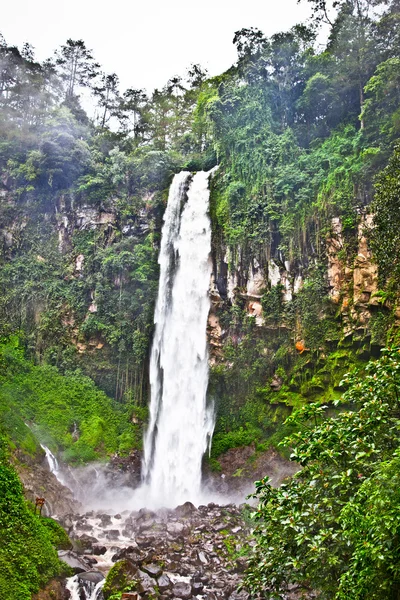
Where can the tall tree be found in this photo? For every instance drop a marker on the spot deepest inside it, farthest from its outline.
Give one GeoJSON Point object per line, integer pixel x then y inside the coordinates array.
{"type": "Point", "coordinates": [108, 97]}
{"type": "Point", "coordinates": [134, 112]}
{"type": "Point", "coordinates": [76, 66]}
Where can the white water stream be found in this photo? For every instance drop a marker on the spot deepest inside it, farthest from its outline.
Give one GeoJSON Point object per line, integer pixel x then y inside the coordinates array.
{"type": "Point", "coordinates": [53, 464]}
{"type": "Point", "coordinates": [76, 588]}
{"type": "Point", "coordinates": [181, 424]}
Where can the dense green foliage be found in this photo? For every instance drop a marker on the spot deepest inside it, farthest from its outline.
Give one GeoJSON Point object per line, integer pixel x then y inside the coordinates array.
{"type": "Point", "coordinates": [81, 200]}
{"type": "Point", "coordinates": [28, 558]}
{"type": "Point", "coordinates": [66, 411]}
{"type": "Point", "coordinates": [334, 527]}
{"type": "Point", "coordinates": [299, 133]}
{"type": "Point", "coordinates": [386, 233]}
{"type": "Point", "coordinates": [302, 134]}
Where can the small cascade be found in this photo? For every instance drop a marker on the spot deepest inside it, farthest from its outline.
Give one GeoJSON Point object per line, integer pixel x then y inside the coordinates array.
{"type": "Point", "coordinates": [53, 464]}
{"type": "Point", "coordinates": [83, 589]}
{"type": "Point", "coordinates": [181, 424]}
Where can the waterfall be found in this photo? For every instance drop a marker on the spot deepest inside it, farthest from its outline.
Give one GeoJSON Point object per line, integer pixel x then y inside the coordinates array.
{"type": "Point", "coordinates": [180, 424]}
{"type": "Point", "coordinates": [53, 464]}
{"type": "Point", "coordinates": [89, 590]}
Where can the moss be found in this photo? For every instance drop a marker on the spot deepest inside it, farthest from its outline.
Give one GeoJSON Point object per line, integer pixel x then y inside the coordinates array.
{"type": "Point", "coordinates": [233, 439]}
{"type": "Point", "coordinates": [214, 465]}
{"type": "Point", "coordinates": [58, 535]}
{"type": "Point", "coordinates": [55, 404]}
{"type": "Point", "coordinates": [121, 577]}
{"type": "Point", "coordinates": [28, 559]}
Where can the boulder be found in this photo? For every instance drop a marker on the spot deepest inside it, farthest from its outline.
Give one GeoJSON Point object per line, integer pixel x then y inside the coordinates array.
{"type": "Point", "coordinates": [112, 534]}
{"type": "Point", "coordinates": [145, 540]}
{"type": "Point", "coordinates": [77, 564]}
{"type": "Point", "coordinates": [92, 576]}
{"type": "Point", "coordinates": [147, 524]}
{"type": "Point", "coordinates": [128, 531]}
{"type": "Point", "coordinates": [145, 582]}
{"type": "Point", "coordinates": [152, 569]}
{"type": "Point", "coordinates": [236, 529]}
{"type": "Point", "coordinates": [185, 510]}
{"type": "Point", "coordinates": [164, 582]}
{"type": "Point", "coordinates": [98, 550]}
{"type": "Point", "coordinates": [130, 552]}
{"type": "Point", "coordinates": [104, 520]}
{"type": "Point", "coordinates": [182, 590]}
{"type": "Point", "coordinates": [201, 558]}
{"type": "Point", "coordinates": [175, 528]}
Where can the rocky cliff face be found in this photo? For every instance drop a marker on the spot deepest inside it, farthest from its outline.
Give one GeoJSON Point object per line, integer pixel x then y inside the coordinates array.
{"type": "Point", "coordinates": [83, 275]}
{"type": "Point", "coordinates": [351, 282]}
{"type": "Point", "coordinates": [39, 482]}
{"type": "Point", "coordinates": [287, 330]}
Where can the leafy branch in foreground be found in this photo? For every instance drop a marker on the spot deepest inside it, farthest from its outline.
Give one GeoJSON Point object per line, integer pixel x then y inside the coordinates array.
{"type": "Point", "coordinates": [334, 527]}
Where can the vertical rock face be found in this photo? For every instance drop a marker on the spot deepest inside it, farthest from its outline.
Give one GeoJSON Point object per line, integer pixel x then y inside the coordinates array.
{"type": "Point", "coordinates": [336, 275]}
{"type": "Point", "coordinates": [240, 276]}
{"type": "Point", "coordinates": [352, 281]}
{"type": "Point", "coordinates": [352, 285]}
{"type": "Point", "coordinates": [365, 275]}
{"type": "Point", "coordinates": [214, 329]}
{"type": "Point", "coordinates": [255, 280]}
{"type": "Point", "coordinates": [38, 481]}
{"type": "Point", "coordinates": [254, 309]}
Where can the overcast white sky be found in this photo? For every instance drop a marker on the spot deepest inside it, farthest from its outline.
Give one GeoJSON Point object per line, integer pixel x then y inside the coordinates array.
{"type": "Point", "coordinates": [146, 41]}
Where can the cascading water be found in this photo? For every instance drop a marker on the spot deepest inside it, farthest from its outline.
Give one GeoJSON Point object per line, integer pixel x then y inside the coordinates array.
{"type": "Point", "coordinates": [181, 424]}
{"type": "Point", "coordinates": [53, 464]}
{"type": "Point", "coordinates": [88, 590]}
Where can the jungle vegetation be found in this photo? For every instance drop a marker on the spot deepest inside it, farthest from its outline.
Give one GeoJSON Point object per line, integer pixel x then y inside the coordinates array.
{"type": "Point", "coordinates": [302, 133]}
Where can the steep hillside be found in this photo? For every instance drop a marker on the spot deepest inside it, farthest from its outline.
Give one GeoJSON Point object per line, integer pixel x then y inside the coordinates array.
{"type": "Point", "coordinates": [305, 215]}
{"type": "Point", "coordinates": [302, 246]}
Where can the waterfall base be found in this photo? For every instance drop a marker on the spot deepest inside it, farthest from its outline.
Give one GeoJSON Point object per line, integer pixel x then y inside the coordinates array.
{"type": "Point", "coordinates": [188, 550]}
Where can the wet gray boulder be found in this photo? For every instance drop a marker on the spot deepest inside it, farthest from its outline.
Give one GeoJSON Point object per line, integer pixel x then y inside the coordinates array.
{"type": "Point", "coordinates": [77, 563]}
{"type": "Point", "coordinates": [152, 569]}
{"type": "Point", "coordinates": [128, 552]}
{"type": "Point", "coordinates": [175, 528]}
{"type": "Point", "coordinates": [92, 576]}
{"type": "Point", "coordinates": [145, 582]}
{"type": "Point", "coordinates": [164, 582]}
{"type": "Point", "coordinates": [104, 520]}
{"type": "Point", "coordinates": [112, 534]}
{"type": "Point", "coordinates": [98, 549]}
{"type": "Point", "coordinates": [182, 590]}
{"type": "Point", "coordinates": [185, 510]}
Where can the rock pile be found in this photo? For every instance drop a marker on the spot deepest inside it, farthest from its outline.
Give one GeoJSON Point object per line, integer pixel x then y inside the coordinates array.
{"type": "Point", "coordinates": [169, 554]}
